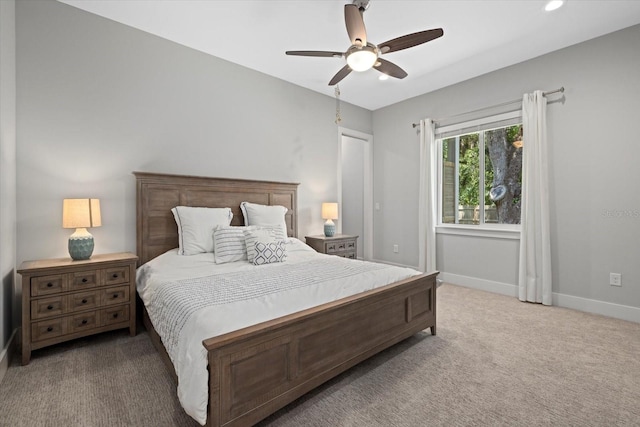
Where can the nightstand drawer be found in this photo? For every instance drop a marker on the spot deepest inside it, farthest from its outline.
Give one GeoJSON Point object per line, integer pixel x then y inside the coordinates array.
{"type": "Point", "coordinates": [48, 329]}
{"type": "Point", "coordinates": [351, 245]}
{"type": "Point", "coordinates": [83, 300]}
{"type": "Point", "coordinates": [117, 275]}
{"type": "Point", "coordinates": [47, 307]}
{"type": "Point", "coordinates": [46, 285]}
{"type": "Point", "coordinates": [84, 321]}
{"type": "Point", "coordinates": [331, 248]}
{"type": "Point", "coordinates": [116, 295]}
{"type": "Point", "coordinates": [114, 315]}
{"type": "Point", "coordinates": [83, 280]}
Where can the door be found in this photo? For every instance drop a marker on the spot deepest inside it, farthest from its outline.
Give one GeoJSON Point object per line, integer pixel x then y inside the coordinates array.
{"type": "Point", "coordinates": [355, 189]}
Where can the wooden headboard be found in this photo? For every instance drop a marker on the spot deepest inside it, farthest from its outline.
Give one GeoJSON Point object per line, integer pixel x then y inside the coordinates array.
{"type": "Point", "coordinates": [157, 194]}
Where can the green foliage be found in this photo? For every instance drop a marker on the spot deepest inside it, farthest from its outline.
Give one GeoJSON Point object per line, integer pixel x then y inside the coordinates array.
{"type": "Point", "coordinates": [469, 178]}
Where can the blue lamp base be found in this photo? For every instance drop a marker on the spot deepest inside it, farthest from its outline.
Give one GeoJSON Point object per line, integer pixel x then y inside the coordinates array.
{"type": "Point", "coordinates": [82, 248]}
{"type": "Point", "coordinates": [329, 228]}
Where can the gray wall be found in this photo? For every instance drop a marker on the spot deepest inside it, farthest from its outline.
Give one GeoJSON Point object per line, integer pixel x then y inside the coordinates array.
{"type": "Point", "coordinates": [7, 166]}
{"type": "Point", "coordinates": [97, 100]}
{"type": "Point", "coordinates": [595, 208]}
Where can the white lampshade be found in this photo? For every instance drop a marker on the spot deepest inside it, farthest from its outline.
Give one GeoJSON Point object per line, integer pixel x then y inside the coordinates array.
{"type": "Point", "coordinates": [362, 59]}
{"type": "Point", "coordinates": [329, 211]}
{"type": "Point", "coordinates": [81, 213]}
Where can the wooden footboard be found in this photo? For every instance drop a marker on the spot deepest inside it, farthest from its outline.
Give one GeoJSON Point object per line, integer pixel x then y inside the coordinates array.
{"type": "Point", "coordinates": [255, 371]}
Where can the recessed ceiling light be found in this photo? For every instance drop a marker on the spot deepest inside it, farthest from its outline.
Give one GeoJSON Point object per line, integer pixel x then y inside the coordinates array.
{"type": "Point", "coordinates": [383, 77]}
{"type": "Point", "coordinates": [553, 5]}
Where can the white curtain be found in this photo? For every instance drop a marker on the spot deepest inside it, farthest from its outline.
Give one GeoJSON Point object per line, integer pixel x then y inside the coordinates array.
{"type": "Point", "coordinates": [535, 249]}
{"type": "Point", "coordinates": [427, 206]}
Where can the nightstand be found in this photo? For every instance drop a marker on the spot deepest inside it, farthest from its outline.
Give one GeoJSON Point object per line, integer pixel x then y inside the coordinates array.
{"type": "Point", "coordinates": [63, 299]}
{"type": "Point", "coordinates": [343, 245]}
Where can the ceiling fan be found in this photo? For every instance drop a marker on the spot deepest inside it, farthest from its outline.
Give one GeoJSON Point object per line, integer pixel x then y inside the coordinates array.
{"type": "Point", "coordinates": [363, 55]}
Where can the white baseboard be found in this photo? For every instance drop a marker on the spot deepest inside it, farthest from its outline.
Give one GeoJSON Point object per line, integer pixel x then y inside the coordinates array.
{"type": "Point", "coordinates": [394, 263]}
{"type": "Point", "coordinates": [618, 311]}
{"type": "Point", "coordinates": [481, 284]}
{"type": "Point", "coordinates": [6, 354]}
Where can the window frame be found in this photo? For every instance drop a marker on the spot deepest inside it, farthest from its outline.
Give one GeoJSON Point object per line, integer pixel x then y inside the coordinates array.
{"type": "Point", "coordinates": [500, 231]}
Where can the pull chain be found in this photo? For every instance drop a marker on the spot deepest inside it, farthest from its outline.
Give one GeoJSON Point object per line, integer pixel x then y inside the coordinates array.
{"type": "Point", "coordinates": [338, 117]}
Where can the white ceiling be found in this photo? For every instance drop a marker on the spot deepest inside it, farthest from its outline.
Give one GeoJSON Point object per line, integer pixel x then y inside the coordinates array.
{"type": "Point", "coordinates": [479, 36]}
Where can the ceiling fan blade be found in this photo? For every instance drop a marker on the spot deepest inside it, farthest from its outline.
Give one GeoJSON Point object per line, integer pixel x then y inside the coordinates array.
{"type": "Point", "coordinates": [390, 69]}
{"type": "Point", "coordinates": [344, 72]}
{"type": "Point", "coordinates": [410, 40]}
{"type": "Point", "coordinates": [321, 53]}
{"type": "Point", "coordinates": [355, 25]}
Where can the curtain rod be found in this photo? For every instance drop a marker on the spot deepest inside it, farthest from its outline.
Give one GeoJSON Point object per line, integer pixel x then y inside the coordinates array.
{"type": "Point", "coordinates": [551, 92]}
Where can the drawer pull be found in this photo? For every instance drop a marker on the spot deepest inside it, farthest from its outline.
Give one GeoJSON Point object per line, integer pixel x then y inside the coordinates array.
{"type": "Point", "coordinates": [84, 280]}
{"type": "Point", "coordinates": [49, 285]}
{"type": "Point", "coordinates": [84, 301]}
{"type": "Point", "coordinates": [114, 296]}
{"type": "Point", "coordinates": [84, 321]}
{"type": "Point", "coordinates": [49, 329]}
{"type": "Point", "coordinates": [115, 315]}
{"type": "Point", "coordinates": [115, 276]}
{"type": "Point", "coordinates": [49, 307]}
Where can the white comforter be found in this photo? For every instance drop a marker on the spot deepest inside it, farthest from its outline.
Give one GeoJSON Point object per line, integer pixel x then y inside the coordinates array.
{"type": "Point", "coordinates": [191, 298]}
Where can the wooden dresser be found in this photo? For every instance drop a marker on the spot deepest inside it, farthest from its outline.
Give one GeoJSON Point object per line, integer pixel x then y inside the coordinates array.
{"type": "Point", "coordinates": [343, 245]}
{"type": "Point", "coordinates": [64, 299]}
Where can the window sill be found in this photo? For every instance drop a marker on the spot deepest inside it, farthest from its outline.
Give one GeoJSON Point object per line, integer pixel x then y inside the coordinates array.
{"type": "Point", "coordinates": [496, 232]}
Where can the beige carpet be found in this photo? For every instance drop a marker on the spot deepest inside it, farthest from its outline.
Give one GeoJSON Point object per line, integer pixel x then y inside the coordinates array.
{"type": "Point", "coordinates": [495, 362]}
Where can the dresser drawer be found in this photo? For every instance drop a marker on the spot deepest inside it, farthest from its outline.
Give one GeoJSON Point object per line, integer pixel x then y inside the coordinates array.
{"type": "Point", "coordinates": [83, 300]}
{"type": "Point", "coordinates": [83, 280]}
{"type": "Point", "coordinates": [113, 315]}
{"type": "Point", "coordinates": [47, 307]}
{"type": "Point", "coordinates": [116, 295]}
{"type": "Point", "coordinates": [83, 321]}
{"type": "Point", "coordinates": [46, 285]}
{"type": "Point", "coordinates": [48, 329]}
{"type": "Point", "coordinates": [351, 245]}
{"type": "Point", "coordinates": [116, 275]}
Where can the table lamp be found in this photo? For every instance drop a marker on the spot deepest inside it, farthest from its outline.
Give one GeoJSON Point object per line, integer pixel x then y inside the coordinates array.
{"type": "Point", "coordinates": [81, 214]}
{"type": "Point", "coordinates": [329, 212]}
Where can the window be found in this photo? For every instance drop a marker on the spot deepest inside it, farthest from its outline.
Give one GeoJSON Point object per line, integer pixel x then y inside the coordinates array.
{"type": "Point", "coordinates": [480, 171]}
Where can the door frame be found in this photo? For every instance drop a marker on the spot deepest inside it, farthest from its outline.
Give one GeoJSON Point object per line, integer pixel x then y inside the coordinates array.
{"type": "Point", "coordinates": [367, 248]}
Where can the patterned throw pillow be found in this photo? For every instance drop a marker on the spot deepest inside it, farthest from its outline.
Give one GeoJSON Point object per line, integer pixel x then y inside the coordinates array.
{"type": "Point", "coordinates": [229, 244]}
{"type": "Point", "coordinates": [256, 234]}
{"type": "Point", "coordinates": [270, 252]}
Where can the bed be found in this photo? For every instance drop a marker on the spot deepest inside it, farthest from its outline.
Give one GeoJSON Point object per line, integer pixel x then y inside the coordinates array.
{"type": "Point", "coordinates": [258, 369]}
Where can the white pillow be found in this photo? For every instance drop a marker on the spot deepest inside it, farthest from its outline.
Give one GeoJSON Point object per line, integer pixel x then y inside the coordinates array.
{"type": "Point", "coordinates": [253, 235]}
{"type": "Point", "coordinates": [270, 252]}
{"type": "Point", "coordinates": [196, 225]}
{"type": "Point", "coordinates": [229, 244]}
{"type": "Point", "coordinates": [255, 214]}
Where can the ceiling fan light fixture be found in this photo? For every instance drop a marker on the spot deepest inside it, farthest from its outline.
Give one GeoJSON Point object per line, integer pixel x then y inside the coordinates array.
{"type": "Point", "coordinates": [362, 59]}
{"type": "Point", "coordinates": [553, 5]}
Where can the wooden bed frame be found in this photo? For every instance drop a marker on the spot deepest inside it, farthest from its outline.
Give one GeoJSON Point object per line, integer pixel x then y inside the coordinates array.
{"type": "Point", "coordinates": [257, 370]}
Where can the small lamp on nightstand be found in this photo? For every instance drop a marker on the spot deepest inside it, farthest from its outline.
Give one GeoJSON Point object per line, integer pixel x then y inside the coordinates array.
{"type": "Point", "coordinates": [329, 212]}
{"type": "Point", "coordinates": [81, 214]}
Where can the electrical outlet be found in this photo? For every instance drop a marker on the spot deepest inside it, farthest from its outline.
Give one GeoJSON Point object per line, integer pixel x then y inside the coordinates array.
{"type": "Point", "coordinates": [615, 279]}
{"type": "Point", "coordinates": [395, 249]}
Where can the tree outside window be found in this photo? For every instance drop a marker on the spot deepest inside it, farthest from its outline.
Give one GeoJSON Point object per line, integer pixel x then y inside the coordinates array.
{"type": "Point", "coordinates": [498, 153]}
